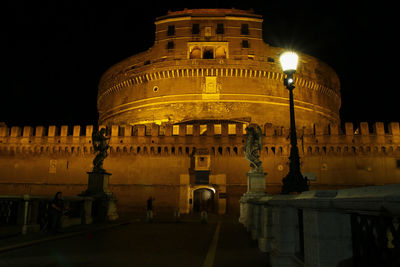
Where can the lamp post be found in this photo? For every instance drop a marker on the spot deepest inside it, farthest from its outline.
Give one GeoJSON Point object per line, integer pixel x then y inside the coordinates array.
{"type": "Point", "coordinates": [294, 180]}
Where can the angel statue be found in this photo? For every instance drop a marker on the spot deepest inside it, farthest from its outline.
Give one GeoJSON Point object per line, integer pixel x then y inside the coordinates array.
{"type": "Point", "coordinates": [100, 145]}
{"type": "Point", "coordinates": [252, 147]}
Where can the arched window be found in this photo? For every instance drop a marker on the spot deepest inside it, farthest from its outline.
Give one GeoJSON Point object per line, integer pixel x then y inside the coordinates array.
{"type": "Point", "coordinates": [195, 53]}
{"type": "Point", "coordinates": [220, 53]}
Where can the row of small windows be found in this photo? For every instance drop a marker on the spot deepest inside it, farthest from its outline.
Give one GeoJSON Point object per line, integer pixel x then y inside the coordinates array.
{"type": "Point", "coordinates": [244, 29]}
{"type": "Point", "coordinates": [171, 45]}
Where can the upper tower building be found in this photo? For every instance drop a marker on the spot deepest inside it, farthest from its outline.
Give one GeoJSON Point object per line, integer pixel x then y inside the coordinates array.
{"type": "Point", "coordinates": [212, 64]}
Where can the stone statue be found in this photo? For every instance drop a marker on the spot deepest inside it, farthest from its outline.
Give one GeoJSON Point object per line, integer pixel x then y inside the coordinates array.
{"type": "Point", "coordinates": [100, 145]}
{"type": "Point", "coordinates": [252, 147]}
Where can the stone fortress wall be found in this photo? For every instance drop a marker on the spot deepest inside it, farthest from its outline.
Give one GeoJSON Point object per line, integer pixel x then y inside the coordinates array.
{"type": "Point", "coordinates": [214, 73]}
{"type": "Point", "coordinates": [158, 161]}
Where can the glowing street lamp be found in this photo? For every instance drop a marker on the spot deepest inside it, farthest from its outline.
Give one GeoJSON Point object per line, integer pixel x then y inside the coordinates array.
{"type": "Point", "coordinates": [294, 180]}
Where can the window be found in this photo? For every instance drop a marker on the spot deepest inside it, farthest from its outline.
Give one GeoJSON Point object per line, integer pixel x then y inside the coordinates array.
{"type": "Point", "coordinates": [245, 44]}
{"type": "Point", "coordinates": [195, 29]}
{"type": "Point", "coordinates": [175, 130]}
{"type": "Point", "coordinates": [220, 28]}
{"type": "Point", "coordinates": [171, 30]}
{"type": "Point", "coordinates": [244, 29]}
{"type": "Point", "coordinates": [270, 59]}
{"type": "Point", "coordinates": [208, 53]}
{"type": "Point", "coordinates": [170, 45]}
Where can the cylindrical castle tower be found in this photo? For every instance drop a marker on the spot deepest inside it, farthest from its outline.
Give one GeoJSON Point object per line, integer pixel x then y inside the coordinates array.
{"type": "Point", "coordinates": [212, 64]}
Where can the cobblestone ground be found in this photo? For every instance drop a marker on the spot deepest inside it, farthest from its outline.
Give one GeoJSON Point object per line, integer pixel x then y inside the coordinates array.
{"type": "Point", "coordinates": [221, 242]}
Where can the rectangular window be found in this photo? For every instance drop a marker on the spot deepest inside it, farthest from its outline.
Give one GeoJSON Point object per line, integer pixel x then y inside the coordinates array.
{"type": "Point", "coordinates": [244, 29]}
{"type": "Point", "coordinates": [170, 45]}
{"type": "Point", "coordinates": [217, 129]}
{"type": "Point", "coordinates": [171, 30]}
{"type": "Point", "coordinates": [245, 44]}
{"type": "Point", "coordinates": [203, 129]}
{"type": "Point", "coordinates": [189, 129]}
{"type": "Point", "coordinates": [195, 29]}
{"type": "Point", "coordinates": [231, 129]}
{"type": "Point", "coordinates": [175, 130]}
{"type": "Point", "coordinates": [220, 28]}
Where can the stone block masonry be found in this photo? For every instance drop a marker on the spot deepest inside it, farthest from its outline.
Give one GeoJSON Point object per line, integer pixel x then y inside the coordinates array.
{"type": "Point", "coordinates": [149, 160]}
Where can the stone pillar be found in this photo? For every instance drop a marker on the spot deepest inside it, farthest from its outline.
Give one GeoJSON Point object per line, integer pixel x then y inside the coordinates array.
{"type": "Point", "coordinates": [327, 238]}
{"type": "Point", "coordinates": [87, 211]}
{"type": "Point", "coordinates": [105, 200]}
{"type": "Point", "coordinates": [284, 232]}
{"type": "Point", "coordinates": [29, 224]}
{"type": "Point", "coordinates": [265, 238]}
{"type": "Point", "coordinates": [255, 190]}
{"type": "Point", "coordinates": [256, 225]}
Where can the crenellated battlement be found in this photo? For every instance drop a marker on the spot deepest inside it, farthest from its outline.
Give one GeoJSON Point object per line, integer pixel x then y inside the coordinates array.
{"type": "Point", "coordinates": [221, 139]}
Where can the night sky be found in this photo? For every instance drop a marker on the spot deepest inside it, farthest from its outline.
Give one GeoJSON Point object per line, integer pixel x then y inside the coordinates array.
{"type": "Point", "coordinates": [56, 52]}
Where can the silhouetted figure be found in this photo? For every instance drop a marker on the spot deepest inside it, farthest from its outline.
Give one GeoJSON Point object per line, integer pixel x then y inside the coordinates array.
{"type": "Point", "coordinates": [56, 210]}
{"type": "Point", "coordinates": [150, 209]}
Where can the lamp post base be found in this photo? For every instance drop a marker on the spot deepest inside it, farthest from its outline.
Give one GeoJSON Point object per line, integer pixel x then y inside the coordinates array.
{"type": "Point", "coordinates": [294, 182]}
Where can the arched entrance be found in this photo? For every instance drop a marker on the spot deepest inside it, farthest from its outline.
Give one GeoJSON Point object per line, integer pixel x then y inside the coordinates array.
{"type": "Point", "coordinates": [203, 199]}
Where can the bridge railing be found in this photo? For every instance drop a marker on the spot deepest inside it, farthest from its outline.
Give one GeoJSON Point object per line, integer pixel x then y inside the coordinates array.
{"type": "Point", "coordinates": [350, 227]}
{"type": "Point", "coordinates": [27, 213]}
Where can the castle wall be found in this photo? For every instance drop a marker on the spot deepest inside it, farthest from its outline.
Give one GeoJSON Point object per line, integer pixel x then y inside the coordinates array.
{"type": "Point", "coordinates": [150, 162]}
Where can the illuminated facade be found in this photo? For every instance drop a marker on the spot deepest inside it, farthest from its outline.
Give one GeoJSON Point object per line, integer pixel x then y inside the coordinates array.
{"type": "Point", "coordinates": [177, 114]}
{"type": "Point", "coordinates": [212, 64]}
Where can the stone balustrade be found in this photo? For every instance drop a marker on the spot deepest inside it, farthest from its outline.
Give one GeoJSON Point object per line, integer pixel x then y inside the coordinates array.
{"type": "Point", "coordinates": [350, 227]}
{"type": "Point", "coordinates": [27, 213]}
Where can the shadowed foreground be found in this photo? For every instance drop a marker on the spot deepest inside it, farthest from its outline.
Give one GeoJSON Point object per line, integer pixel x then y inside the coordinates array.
{"type": "Point", "coordinates": [161, 243]}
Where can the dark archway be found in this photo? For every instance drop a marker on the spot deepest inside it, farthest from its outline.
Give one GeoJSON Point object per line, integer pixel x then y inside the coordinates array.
{"type": "Point", "coordinates": [203, 199]}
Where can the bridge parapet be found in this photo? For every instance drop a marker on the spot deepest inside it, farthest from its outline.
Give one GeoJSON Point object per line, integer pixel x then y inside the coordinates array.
{"type": "Point", "coordinates": [329, 228]}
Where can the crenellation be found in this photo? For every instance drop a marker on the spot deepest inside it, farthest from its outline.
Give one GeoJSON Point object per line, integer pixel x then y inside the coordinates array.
{"type": "Point", "coordinates": [182, 130]}
{"type": "Point", "coordinates": [76, 131]}
{"type": "Point", "coordinates": [27, 131]}
{"type": "Point", "coordinates": [89, 130]}
{"type": "Point", "coordinates": [224, 129]}
{"type": "Point", "coordinates": [333, 129]}
{"type": "Point", "coordinates": [141, 130]}
{"type": "Point", "coordinates": [321, 142]}
{"type": "Point", "coordinates": [115, 131]}
{"type": "Point", "coordinates": [364, 128]}
{"type": "Point", "coordinates": [127, 130]}
{"type": "Point", "coordinates": [4, 131]}
{"type": "Point", "coordinates": [168, 130]}
{"type": "Point", "coordinates": [210, 129]}
{"type": "Point", "coordinates": [268, 130]}
{"type": "Point", "coordinates": [394, 128]}
{"type": "Point", "coordinates": [64, 131]}
{"type": "Point", "coordinates": [379, 128]}
{"type": "Point", "coordinates": [15, 131]}
{"type": "Point", "coordinates": [52, 132]}
{"type": "Point", "coordinates": [349, 129]}
{"type": "Point", "coordinates": [155, 130]}
{"type": "Point", "coordinates": [318, 129]}
{"type": "Point", "coordinates": [40, 131]}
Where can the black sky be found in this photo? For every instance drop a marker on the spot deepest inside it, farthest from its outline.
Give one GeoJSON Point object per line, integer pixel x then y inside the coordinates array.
{"type": "Point", "coordinates": [56, 52]}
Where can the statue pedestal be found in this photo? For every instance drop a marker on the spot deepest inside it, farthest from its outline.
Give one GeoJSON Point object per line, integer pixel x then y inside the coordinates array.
{"type": "Point", "coordinates": [98, 183]}
{"type": "Point", "coordinates": [105, 203]}
{"type": "Point", "coordinates": [255, 190]}
{"type": "Point", "coordinates": [256, 182]}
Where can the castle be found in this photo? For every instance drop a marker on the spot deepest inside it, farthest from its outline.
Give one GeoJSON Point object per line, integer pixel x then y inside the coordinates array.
{"type": "Point", "coordinates": [177, 115]}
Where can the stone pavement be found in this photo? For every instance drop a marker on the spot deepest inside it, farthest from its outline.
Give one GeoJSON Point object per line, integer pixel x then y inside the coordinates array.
{"type": "Point", "coordinates": [131, 241]}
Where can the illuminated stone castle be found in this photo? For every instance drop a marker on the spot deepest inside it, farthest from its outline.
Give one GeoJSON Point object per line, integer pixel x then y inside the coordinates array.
{"type": "Point", "coordinates": [177, 114]}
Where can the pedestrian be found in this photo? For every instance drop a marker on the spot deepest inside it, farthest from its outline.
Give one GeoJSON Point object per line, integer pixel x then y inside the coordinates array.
{"type": "Point", "coordinates": [56, 210]}
{"type": "Point", "coordinates": [150, 209]}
